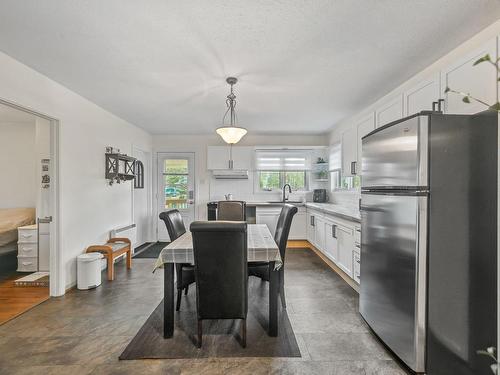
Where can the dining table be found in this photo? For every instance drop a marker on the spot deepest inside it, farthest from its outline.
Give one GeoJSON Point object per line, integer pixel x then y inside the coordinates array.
{"type": "Point", "coordinates": [261, 247]}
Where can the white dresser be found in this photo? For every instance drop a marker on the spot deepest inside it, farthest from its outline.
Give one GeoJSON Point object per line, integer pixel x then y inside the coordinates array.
{"type": "Point", "coordinates": [27, 248]}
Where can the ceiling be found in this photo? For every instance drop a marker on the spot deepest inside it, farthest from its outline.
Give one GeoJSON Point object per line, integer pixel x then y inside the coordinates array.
{"type": "Point", "coordinates": [302, 65]}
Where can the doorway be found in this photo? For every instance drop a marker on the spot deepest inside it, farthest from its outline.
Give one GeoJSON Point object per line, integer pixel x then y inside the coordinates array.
{"type": "Point", "coordinates": [176, 183]}
{"type": "Point", "coordinates": [28, 143]}
{"type": "Point", "coordinates": [142, 197]}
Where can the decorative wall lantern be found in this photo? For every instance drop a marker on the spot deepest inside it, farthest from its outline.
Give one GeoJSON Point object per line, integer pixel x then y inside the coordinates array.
{"type": "Point", "coordinates": [119, 167]}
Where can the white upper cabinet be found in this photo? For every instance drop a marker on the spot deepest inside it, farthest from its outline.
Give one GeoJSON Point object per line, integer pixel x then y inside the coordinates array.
{"type": "Point", "coordinates": [478, 81]}
{"type": "Point", "coordinates": [420, 97]}
{"type": "Point", "coordinates": [218, 157]}
{"type": "Point", "coordinates": [391, 111]}
{"type": "Point", "coordinates": [364, 126]}
{"type": "Point", "coordinates": [349, 150]}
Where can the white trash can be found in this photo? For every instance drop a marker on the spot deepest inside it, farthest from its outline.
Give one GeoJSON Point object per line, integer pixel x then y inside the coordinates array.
{"type": "Point", "coordinates": [89, 270]}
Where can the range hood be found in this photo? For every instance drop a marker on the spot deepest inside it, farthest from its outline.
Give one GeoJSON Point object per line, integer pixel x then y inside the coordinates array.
{"type": "Point", "coordinates": [230, 174]}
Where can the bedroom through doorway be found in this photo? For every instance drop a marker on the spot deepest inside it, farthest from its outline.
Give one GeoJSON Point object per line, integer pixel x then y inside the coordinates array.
{"type": "Point", "coordinates": [25, 211]}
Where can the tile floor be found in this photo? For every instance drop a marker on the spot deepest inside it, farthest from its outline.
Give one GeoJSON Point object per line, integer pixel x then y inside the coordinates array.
{"type": "Point", "coordinates": [84, 332]}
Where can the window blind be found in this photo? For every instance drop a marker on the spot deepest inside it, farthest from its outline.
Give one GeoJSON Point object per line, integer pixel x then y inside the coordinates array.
{"type": "Point", "coordinates": [282, 160]}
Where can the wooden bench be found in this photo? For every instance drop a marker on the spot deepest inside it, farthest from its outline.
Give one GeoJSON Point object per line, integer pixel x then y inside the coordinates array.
{"type": "Point", "coordinates": [111, 250]}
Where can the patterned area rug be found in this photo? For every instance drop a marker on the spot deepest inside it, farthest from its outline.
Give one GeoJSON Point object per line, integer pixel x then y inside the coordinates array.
{"type": "Point", "coordinates": [151, 251]}
{"type": "Point", "coordinates": [220, 337]}
{"type": "Point", "coordinates": [34, 279]}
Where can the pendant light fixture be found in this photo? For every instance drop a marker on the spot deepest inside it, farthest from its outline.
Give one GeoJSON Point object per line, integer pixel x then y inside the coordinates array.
{"type": "Point", "coordinates": [231, 133]}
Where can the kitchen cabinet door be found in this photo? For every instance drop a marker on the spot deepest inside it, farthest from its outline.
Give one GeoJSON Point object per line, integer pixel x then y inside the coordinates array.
{"type": "Point", "coordinates": [298, 230]}
{"type": "Point", "coordinates": [268, 216]}
{"type": "Point", "coordinates": [349, 151]}
{"type": "Point", "coordinates": [319, 233]}
{"type": "Point", "coordinates": [390, 111]}
{"type": "Point", "coordinates": [364, 126]}
{"type": "Point", "coordinates": [479, 81]}
{"type": "Point", "coordinates": [345, 242]}
{"type": "Point", "coordinates": [310, 228]}
{"type": "Point", "coordinates": [420, 97]}
{"type": "Point", "coordinates": [331, 247]}
{"type": "Point", "coordinates": [243, 157]}
{"type": "Point", "coordinates": [217, 157]}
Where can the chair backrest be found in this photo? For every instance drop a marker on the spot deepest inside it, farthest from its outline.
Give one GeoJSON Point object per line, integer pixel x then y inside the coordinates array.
{"type": "Point", "coordinates": [231, 210]}
{"type": "Point", "coordinates": [174, 223]}
{"type": "Point", "coordinates": [220, 268]}
{"type": "Point", "coordinates": [283, 227]}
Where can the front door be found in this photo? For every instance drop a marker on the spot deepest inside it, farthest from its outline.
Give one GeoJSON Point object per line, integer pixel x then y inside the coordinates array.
{"type": "Point", "coordinates": [176, 188]}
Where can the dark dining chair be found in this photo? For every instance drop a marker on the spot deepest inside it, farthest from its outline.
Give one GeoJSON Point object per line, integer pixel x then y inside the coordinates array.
{"type": "Point", "coordinates": [185, 271]}
{"type": "Point", "coordinates": [231, 210]}
{"type": "Point", "coordinates": [262, 269]}
{"type": "Point", "coordinates": [220, 266]}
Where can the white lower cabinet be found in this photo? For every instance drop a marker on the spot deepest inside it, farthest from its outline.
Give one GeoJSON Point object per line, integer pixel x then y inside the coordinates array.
{"type": "Point", "coordinates": [268, 216]}
{"type": "Point", "coordinates": [319, 232]}
{"type": "Point", "coordinates": [338, 239]}
{"type": "Point", "coordinates": [298, 230]}
{"type": "Point", "coordinates": [331, 245]}
{"type": "Point", "coordinates": [310, 227]}
{"type": "Point", "coordinates": [345, 242]}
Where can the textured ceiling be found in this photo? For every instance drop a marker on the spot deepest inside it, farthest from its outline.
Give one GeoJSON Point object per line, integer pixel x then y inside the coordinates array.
{"type": "Point", "coordinates": [302, 65]}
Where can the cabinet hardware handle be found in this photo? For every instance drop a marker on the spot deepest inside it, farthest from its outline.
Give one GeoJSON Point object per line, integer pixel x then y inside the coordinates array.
{"type": "Point", "coordinates": [440, 103]}
{"type": "Point", "coordinates": [334, 231]}
{"type": "Point", "coordinates": [353, 167]}
{"type": "Point", "coordinates": [434, 105]}
{"type": "Point", "coordinates": [312, 221]}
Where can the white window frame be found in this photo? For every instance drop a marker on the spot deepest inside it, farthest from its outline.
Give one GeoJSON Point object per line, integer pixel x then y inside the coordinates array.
{"type": "Point", "coordinates": [257, 188]}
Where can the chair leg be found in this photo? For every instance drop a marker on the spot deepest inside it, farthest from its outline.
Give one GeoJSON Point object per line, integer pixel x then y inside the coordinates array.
{"type": "Point", "coordinates": [200, 331]}
{"type": "Point", "coordinates": [186, 290]}
{"type": "Point", "coordinates": [282, 289]}
{"type": "Point", "coordinates": [129, 259]}
{"type": "Point", "coordinates": [111, 268]}
{"type": "Point", "coordinates": [179, 297]}
{"type": "Point", "coordinates": [244, 333]}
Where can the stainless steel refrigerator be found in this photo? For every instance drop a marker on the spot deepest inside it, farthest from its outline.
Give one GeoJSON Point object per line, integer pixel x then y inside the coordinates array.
{"type": "Point", "coordinates": [429, 239]}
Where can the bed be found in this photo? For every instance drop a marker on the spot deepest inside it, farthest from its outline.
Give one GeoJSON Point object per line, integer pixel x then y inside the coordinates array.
{"type": "Point", "coordinates": [10, 220]}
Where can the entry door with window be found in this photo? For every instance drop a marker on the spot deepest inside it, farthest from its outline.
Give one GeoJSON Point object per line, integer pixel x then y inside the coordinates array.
{"type": "Point", "coordinates": [176, 188]}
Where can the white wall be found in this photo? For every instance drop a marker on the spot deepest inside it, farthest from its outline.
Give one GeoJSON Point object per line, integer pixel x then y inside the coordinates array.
{"type": "Point", "coordinates": [18, 186]}
{"type": "Point", "coordinates": [89, 208]}
{"type": "Point", "coordinates": [199, 144]}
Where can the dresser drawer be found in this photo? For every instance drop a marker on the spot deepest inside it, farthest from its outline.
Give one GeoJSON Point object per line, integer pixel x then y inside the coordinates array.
{"type": "Point", "coordinates": [27, 249]}
{"type": "Point", "coordinates": [27, 264]}
{"type": "Point", "coordinates": [27, 236]}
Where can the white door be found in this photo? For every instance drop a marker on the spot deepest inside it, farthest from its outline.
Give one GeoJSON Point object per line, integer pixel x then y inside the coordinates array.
{"type": "Point", "coordinates": [142, 205]}
{"type": "Point", "coordinates": [175, 188]}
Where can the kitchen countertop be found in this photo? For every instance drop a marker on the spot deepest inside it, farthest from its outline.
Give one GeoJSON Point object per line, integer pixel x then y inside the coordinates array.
{"type": "Point", "coordinates": [344, 212]}
{"type": "Point", "coordinates": [271, 203]}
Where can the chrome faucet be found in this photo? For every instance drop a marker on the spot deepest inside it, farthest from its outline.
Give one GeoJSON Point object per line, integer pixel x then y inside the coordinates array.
{"type": "Point", "coordinates": [289, 190]}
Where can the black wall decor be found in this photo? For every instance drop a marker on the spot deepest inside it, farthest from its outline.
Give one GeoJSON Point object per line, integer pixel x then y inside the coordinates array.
{"type": "Point", "coordinates": [119, 167]}
{"type": "Point", "coordinates": [139, 175]}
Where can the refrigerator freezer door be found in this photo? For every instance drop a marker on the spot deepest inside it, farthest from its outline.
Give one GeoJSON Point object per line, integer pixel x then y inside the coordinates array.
{"type": "Point", "coordinates": [396, 156]}
{"type": "Point", "coordinates": [393, 251]}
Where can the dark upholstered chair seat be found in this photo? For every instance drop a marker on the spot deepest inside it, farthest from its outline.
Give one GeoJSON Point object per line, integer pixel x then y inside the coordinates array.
{"type": "Point", "coordinates": [231, 210]}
